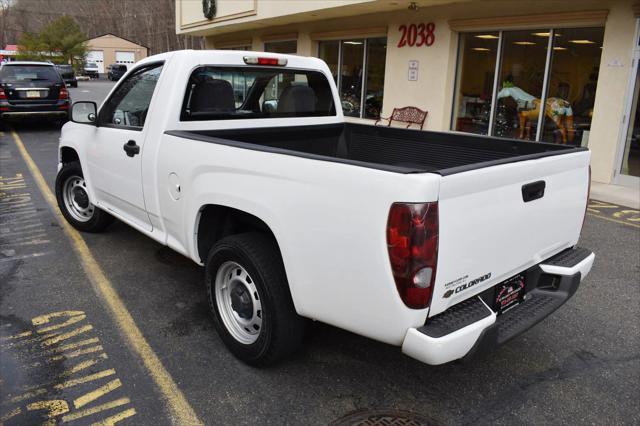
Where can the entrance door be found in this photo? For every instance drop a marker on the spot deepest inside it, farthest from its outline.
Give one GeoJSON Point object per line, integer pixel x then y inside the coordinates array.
{"type": "Point", "coordinates": [115, 153]}
{"type": "Point", "coordinates": [628, 172]}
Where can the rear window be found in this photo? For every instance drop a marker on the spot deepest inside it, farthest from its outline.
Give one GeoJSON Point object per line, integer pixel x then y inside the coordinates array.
{"type": "Point", "coordinates": [66, 69]}
{"type": "Point", "coordinates": [28, 73]}
{"type": "Point", "coordinates": [224, 93]}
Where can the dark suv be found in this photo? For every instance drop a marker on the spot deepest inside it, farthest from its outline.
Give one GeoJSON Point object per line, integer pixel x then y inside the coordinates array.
{"type": "Point", "coordinates": [32, 89]}
{"type": "Point", "coordinates": [116, 71]}
{"type": "Point", "coordinates": [68, 75]}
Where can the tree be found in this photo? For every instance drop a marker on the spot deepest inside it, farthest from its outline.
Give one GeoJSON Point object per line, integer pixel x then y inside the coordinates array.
{"type": "Point", "coordinates": [60, 41]}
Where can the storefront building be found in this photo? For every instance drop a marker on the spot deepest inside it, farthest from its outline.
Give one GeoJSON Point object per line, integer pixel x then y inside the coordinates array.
{"type": "Point", "coordinates": [552, 71]}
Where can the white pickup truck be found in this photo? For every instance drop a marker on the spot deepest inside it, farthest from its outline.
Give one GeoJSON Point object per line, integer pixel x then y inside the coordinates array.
{"type": "Point", "coordinates": [444, 244]}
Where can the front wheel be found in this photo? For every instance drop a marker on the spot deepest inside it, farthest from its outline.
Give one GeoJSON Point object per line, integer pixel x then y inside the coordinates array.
{"type": "Point", "coordinates": [250, 299]}
{"type": "Point", "coordinates": [73, 200]}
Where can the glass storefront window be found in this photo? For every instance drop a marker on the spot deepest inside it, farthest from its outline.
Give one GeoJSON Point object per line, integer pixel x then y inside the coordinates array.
{"type": "Point", "coordinates": [572, 85]}
{"type": "Point", "coordinates": [351, 76]}
{"type": "Point", "coordinates": [522, 65]}
{"type": "Point", "coordinates": [376, 58]}
{"type": "Point", "coordinates": [476, 70]}
{"type": "Point", "coordinates": [358, 67]}
{"type": "Point", "coordinates": [569, 72]}
{"type": "Point", "coordinates": [631, 155]}
{"type": "Point", "coordinates": [235, 48]}
{"type": "Point", "coordinates": [289, 46]}
{"type": "Point", "coordinates": [329, 51]}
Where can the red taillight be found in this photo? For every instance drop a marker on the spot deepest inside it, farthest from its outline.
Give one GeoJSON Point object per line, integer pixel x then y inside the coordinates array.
{"type": "Point", "coordinates": [412, 241]}
{"type": "Point", "coordinates": [255, 60]}
{"type": "Point", "coordinates": [64, 93]}
{"type": "Point", "coordinates": [2, 94]}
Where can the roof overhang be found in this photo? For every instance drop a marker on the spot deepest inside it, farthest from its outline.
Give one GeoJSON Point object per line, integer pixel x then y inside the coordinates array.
{"type": "Point", "coordinates": [256, 15]}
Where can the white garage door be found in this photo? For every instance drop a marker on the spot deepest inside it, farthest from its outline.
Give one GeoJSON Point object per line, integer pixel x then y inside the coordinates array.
{"type": "Point", "coordinates": [96, 56]}
{"type": "Point", "coordinates": [126, 58]}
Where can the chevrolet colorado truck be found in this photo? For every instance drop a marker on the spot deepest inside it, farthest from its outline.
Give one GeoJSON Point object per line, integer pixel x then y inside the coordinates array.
{"type": "Point", "coordinates": [443, 244]}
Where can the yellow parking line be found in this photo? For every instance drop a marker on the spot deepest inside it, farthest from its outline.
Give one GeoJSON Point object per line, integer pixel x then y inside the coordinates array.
{"type": "Point", "coordinates": [76, 353]}
{"type": "Point", "coordinates": [111, 421]}
{"type": "Point", "coordinates": [98, 393]}
{"type": "Point", "coordinates": [83, 413]}
{"type": "Point", "coordinates": [180, 409]}
{"type": "Point", "coordinates": [614, 220]}
{"type": "Point", "coordinates": [85, 379]}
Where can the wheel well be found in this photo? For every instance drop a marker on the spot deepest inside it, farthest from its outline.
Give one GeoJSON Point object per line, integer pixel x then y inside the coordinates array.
{"type": "Point", "coordinates": [217, 222]}
{"type": "Point", "coordinates": [67, 155]}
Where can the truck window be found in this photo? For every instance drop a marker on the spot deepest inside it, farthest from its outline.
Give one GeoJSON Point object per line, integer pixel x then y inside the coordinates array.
{"type": "Point", "coordinates": [223, 93]}
{"type": "Point", "coordinates": [129, 103]}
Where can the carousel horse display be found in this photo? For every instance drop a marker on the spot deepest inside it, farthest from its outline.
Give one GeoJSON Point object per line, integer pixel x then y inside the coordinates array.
{"type": "Point", "coordinates": [557, 110]}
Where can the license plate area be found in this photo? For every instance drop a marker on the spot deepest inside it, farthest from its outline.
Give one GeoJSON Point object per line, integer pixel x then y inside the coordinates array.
{"type": "Point", "coordinates": [509, 294]}
{"type": "Point", "coordinates": [33, 94]}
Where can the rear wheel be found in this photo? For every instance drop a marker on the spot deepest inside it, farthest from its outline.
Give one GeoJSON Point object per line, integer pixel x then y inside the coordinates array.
{"type": "Point", "coordinates": [250, 299]}
{"type": "Point", "coordinates": [73, 200]}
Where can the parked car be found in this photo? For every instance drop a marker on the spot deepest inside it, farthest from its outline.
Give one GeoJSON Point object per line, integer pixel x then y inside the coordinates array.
{"type": "Point", "coordinates": [444, 244]}
{"type": "Point", "coordinates": [32, 89]}
{"type": "Point", "coordinates": [116, 71]}
{"type": "Point", "coordinates": [91, 70]}
{"type": "Point", "coordinates": [68, 75]}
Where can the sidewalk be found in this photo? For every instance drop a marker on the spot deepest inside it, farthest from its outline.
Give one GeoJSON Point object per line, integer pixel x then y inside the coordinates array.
{"type": "Point", "coordinates": [616, 194]}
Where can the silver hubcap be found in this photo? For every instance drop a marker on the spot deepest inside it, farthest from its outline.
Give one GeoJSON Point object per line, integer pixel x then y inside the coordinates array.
{"type": "Point", "coordinates": [76, 199]}
{"type": "Point", "coordinates": [238, 302]}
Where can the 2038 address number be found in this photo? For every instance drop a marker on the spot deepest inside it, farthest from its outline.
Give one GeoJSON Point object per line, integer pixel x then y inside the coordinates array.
{"type": "Point", "coordinates": [417, 35]}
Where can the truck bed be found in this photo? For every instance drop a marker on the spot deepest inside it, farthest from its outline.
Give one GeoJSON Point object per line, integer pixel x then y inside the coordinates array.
{"type": "Point", "coordinates": [384, 148]}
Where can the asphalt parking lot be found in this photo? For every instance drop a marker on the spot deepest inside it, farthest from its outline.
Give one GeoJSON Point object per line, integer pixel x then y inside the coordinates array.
{"type": "Point", "coordinates": [64, 357]}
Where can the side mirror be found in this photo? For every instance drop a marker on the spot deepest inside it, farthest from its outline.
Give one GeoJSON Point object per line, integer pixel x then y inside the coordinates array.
{"type": "Point", "coordinates": [84, 112]}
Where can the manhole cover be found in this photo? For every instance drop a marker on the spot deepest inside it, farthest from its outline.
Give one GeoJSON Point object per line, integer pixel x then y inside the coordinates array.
{"type": "Point", "coordinates": [384, 418]}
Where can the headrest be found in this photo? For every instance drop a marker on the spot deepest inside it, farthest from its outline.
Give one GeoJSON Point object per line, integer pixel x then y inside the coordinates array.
{"type": "Point", "coordinates": [212, 95]}
{"type": "Point", "coordinates": [297, 99]}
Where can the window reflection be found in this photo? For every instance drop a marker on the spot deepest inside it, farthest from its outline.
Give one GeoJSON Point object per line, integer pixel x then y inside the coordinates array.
{"type": "Point", "coordinates": [376, 57]}
{"type": "Point", "coordinates": [524, 55]}
{"type": "Point", "coordinates": [329, 51]}
{"type": "Point", "coordinates": [572, 85]}
{"type": "Point", "coordinates": [351, 76]}
{"type": "Point", "coordinates": [476, 69]}
{"type": "Point", "coordinates": [355, 73]}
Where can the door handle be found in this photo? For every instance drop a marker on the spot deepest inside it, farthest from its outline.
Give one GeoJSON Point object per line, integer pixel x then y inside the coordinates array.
{"type": "Point", "coordinates": [131, 148]}
{"type": "Point", "coordinates": [533, 191]}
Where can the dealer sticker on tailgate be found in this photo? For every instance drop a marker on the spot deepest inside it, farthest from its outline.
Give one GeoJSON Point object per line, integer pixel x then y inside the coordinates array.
{"type": "Point", "coordinates": [509, 293]}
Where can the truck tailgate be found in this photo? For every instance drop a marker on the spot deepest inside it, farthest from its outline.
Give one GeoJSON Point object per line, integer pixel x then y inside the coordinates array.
{"type": "Point", "coordinates": [489, 233]}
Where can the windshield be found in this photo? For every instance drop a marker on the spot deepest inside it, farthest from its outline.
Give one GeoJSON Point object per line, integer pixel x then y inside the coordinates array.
{"type": "Point", "coordinates": [224, 93]}
{"type": "Point", "coordinates": [28, 73]}
{"type": "Point", "coordinates": [65, 68]}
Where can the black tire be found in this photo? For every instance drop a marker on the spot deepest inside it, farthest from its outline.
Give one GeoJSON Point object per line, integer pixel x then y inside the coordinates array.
{"type": "Point", "coordinates": [99, 219]}
{"type": "Point", "coordinates": [63, 121]}
{"type": "Point", "coordinates": [282, 329]}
